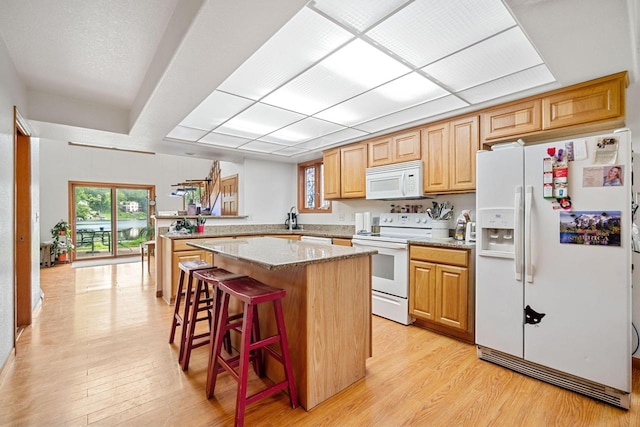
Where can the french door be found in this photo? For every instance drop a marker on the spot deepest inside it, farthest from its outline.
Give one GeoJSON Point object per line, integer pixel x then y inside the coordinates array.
{"type": "Point", "coordinates": [110, 220]}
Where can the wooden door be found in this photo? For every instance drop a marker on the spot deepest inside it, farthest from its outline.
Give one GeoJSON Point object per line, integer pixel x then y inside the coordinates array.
{"type": "Point", "coordinates": [422, 290]}
{"type": "Point", "coordinates": [406, 146]}
{"type": "Point", "coordinates": [229, 187]}
{"type": "Point", "coordinates": [353, 165]}
{"type": "Point", "coordinates": [331, 162]}
{"type": "Point", "coordinates": [22, 225]}
{"type": "Point", "coordinates": [380, 152]}
{"type": "Point", "coordinates": [451, 296]}
{"type": "Point", "coordinates": [435, 153]}
{"type": "Point", "coordinates": [463, 145]}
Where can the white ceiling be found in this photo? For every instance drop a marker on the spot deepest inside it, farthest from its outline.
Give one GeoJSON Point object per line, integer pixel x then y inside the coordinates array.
{"type": "Point", "coordinates": [178, 76]}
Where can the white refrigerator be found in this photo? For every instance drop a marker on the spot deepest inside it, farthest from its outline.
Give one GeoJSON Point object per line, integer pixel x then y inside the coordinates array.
{"type": "Point", "coordinates": [553, 282]}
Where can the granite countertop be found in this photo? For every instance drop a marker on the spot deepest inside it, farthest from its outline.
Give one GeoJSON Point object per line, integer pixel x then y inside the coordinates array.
{"type": "Point", "coordinates": [443, 243]}
{"type": "Point", "coordinates": [216, 232]}
{"type": "Point", "coordinates": [274, 253]}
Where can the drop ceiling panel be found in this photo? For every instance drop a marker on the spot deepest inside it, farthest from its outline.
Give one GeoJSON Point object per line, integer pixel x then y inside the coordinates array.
{"type": "Point", "coordinates": [333, 138]}
{"type": "Point", "coordinates": [428, 30]}
{"type": "Point", "coordinates": [215, 110]}
{"type": "Point", "coordinates": [527, 79]}
{"type": "Point", "coordinates": [352, 70]}
{"type": "Point", "coordinates": [290, 151]}
{"type": "Point", "coordinates": [357, 14]}
{"type": "Point", "coordinates": [303, 130]}
{"type": "Point", "coordinates": [413, 114]}
{"type": "Point", "coordinates": [503, 54]}
{"type": "Point", "coordinates": [305, 39]}
{"type": "Point", "coordinates": [258, 120]}
{"type": "Point", "coordinates": [223, 140]}
{"type": "Point", "coordinates": [262, 147]}
{"type": "Point", "coordinates": [397, 95]}
{"type": "Point", "coordinates": [186, 133]}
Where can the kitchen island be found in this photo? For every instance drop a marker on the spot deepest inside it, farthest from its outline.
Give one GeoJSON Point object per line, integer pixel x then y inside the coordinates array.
{"type": "Point", "coordinates": [327, 309]}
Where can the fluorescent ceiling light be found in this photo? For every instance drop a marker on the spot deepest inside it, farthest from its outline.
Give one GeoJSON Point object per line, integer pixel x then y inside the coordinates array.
{"type": "Point", "coordinates": [259, 120]}
{"type": "Point", "coordinates": [215, 110]}
{"type": "Point", "coordinates": [357, 14]}
{"type": "Point", "coordinates": [186, 134]}
{"type": "Point", "coordinates": [303, 130]}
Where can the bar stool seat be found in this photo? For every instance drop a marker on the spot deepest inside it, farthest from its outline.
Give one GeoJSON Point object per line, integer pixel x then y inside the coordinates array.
{"type": "Point", "coordinates": [197, 304]}
{"type": "Point", "coordinates": [179, 319]}
{"type": "Point", "coordinates": [251, 293]}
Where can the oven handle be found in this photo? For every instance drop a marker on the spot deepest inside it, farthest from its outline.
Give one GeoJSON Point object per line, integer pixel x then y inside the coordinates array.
{"type": "Point", "coordinates": [376, 244]}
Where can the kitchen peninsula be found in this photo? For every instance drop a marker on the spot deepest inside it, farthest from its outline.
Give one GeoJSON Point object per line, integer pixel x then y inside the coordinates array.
{"type": "Point", "coordinates": [327, 309]}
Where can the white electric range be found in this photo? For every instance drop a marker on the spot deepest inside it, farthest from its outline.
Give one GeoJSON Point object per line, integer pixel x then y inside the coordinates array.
{"type": "Point", "coordinates": [390, 266]}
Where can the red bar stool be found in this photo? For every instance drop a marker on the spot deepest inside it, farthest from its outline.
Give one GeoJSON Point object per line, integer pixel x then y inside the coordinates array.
{"type": "Point", "coordinates": [186, 272]}
{"type": "Point", "coordinates": [197, 304]}
{"type": "Point", "coordinates": [251, 293]}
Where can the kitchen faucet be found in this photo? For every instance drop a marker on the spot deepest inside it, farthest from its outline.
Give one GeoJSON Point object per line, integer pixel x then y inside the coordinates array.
{"type": "Point", "coordinates": [293, 208]}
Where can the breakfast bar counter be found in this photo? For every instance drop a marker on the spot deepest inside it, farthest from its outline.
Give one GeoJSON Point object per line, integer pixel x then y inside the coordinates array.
{"type": "Point", "coordinates": [327, 308]}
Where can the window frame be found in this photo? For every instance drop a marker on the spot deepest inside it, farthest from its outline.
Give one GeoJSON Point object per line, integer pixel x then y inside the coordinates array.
{"type": "Point", "coordinates": [302, 167]}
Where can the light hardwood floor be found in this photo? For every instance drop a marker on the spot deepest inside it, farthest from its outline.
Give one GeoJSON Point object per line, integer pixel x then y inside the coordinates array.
{"type": "Point", "coordinates": [97, 354]}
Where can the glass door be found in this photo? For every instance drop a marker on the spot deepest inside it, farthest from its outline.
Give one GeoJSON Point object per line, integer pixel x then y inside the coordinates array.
{"type": "Point", "coordinates": [110, 219]}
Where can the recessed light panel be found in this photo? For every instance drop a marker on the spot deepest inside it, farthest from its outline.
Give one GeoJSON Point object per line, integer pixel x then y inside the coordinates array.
{"type": "Point", "coordinates": [223, 140]}
{"type": "Point", "coordinates": [503, 54]}
{"type": "Point", "coordinates": [186, 134]}
{"type": "Point", "coordinates": [304, 40]}
{"type": "Point", "coordinates": [357, 14]}
{"type": "Point", "coordinates": [263, 147]}
{"type": "Point", "coordinates": [352, 70]}
{"type": "Point", "coordinates": [428, 30]}
{"type": "Point", "coordinates": [527, 79]}
{"type": "Point", "coordinates": [414, 114]}
{"type": "Point", "coordinates": [397, 95]}
{"type": "Point", "coordinates": [332, 138]}
{"type": "Point", "coordinates": [303, 130]}
{"type": "Point", "coordinates": [290, 151]}
{"type": "Point", "coordinates": [258, 120]}
{"type": "Point", "coordinates": [214, 110]}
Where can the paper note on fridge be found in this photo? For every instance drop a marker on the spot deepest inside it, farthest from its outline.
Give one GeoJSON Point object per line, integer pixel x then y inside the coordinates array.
{"type": "Point", "coordinates": [603, 176]}
{"type": "Point", "coordinates": [606, 151]}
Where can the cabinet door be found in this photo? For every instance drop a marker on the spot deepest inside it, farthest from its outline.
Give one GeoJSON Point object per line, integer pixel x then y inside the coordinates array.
{"type": "Point", "coordinates": [422, 290]}
{"type": "Point", "coordinates": [583, 105]}
{"type": "Point", "coordinates": [517, 119]}
{"type": "Point", "coordinates": [406, 147]}
{"type": "Point", "coordinates": [353, 165]}
{"type": "Point", "coordinates": [341, 242]}
{"type": "Point", "coordinates": [463, 146]}
{"type": "Point", "coordinates": [380, 152]}
{"type": "Point", "coordinates": [331, 162]}
{"type": "Point", "coordinates": [452, 296]}
{"type": "Point", "coordinates": [435, 154]}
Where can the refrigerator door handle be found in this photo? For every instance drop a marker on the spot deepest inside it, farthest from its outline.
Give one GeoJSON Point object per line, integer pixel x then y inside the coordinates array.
{"type": "Point", "coordinates": [517, 232]}
{"type": "Point", "coordinates": [527, 236]}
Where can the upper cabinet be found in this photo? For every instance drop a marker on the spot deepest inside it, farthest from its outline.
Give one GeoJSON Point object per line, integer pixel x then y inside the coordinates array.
{"type": "Point", "coordinates": [449, 155]}
{"type": "Point", "coordinates": [344, 172]}
{"type": "Point", "coordinates": [586, 107]}
{"type": "Point", "coordinates": [402, 147]}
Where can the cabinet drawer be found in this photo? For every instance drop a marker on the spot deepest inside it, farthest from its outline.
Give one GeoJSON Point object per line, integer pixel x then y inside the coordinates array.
{"type": "Point", "coordinates": [439, 255]}
{"type": "Point", "coordinates": [181, 245]}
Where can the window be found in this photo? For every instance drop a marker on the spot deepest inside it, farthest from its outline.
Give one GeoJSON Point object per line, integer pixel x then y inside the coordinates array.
{"type": "Point", "coordinates": [310, 188]}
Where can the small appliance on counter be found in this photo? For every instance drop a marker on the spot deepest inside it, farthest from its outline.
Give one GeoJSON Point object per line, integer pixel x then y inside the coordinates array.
{"type": "Point", "coordinates": [470, 232]}
{"type": "Point", "coordinates": [363, 223]}
{"type": "Point", "coordinates": [292, 221]}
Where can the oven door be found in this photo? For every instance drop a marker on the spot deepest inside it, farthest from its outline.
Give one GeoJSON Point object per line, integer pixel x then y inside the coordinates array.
{"type": "Point", "coordinates": [389, 267]}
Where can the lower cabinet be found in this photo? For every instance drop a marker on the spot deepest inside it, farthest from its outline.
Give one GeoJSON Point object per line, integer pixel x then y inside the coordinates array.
{"type": "Point", "coordinates": [341, 241]}
{"type": "Point", "coordinates": [178, 251]}
{"type": "Point", "coordinates": [440, 290]}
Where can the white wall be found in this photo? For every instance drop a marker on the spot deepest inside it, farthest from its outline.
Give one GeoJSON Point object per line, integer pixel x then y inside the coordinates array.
{"type": "Point", "coordinates": [62, 163]}
{"type": "Point", "coordinates": [12, 93]}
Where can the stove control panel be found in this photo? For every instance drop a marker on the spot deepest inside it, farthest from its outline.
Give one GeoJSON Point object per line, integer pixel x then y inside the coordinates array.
{"type": "Point", "coordinates": [412, 220]}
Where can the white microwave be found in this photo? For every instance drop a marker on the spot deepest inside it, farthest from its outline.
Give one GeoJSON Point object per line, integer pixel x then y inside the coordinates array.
{"type": "Point", "coordinates": [396, 181]}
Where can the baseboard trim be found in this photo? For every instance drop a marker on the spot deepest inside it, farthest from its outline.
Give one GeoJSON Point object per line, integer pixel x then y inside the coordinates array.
{"type": "Point", "coordinates": [7, 363]}
{"type": "Point", "coordinates": [158, 294]}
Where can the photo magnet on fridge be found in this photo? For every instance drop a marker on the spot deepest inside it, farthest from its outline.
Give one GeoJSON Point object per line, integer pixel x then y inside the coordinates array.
{"type": "Point", "coordinates": [596, 228]}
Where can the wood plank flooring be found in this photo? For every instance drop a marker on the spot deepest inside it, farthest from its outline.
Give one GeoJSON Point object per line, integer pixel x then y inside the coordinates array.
{"type": "Point", "coordinates": [97, 354]}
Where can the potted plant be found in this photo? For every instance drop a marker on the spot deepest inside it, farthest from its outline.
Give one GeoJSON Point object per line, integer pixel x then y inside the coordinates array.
{"type": "Point", "coordinates": [62, 244]}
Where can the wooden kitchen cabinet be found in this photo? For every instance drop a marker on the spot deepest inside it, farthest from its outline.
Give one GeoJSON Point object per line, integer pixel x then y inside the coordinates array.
{"type": "Point", "coordinates": [440, 291]}
{"type": "Point", "coordinates": [178, 251]}
{"type": "Point", "coordinates": [341, 241]}
{"type": "Point", "coordinates": [344, 172]}
{"type": "Point", "coordinates": [512, 120]}
{"type": "Point", "coordinates": [585, 104]}
{"type": "Point", "coordinates": [396, 148]}
{"type": "Point", "coordinates": [449, 155]}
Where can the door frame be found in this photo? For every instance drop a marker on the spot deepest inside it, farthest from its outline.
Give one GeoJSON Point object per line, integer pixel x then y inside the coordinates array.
{"type": "Point", "coordinates": [22, 268]}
